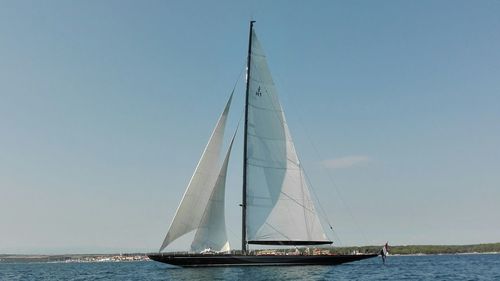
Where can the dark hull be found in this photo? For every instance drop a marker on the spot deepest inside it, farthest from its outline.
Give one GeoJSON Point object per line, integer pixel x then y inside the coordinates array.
{"type": "Point", "coordinates": [239, 260]}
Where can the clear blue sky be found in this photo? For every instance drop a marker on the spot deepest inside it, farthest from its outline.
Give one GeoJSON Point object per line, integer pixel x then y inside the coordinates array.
{"type": "Point", "coordinates": [105, 107]}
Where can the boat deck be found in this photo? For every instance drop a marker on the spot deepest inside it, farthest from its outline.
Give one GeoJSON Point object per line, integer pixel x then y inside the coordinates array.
{"type": "Point", "coordinates": [203, 260]}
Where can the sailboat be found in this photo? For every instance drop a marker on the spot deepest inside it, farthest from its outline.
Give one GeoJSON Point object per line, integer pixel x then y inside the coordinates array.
{"type": "Point", "coordinates": [277, 207]}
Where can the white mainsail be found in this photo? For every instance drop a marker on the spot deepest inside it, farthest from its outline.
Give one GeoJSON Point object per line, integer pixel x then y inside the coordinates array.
{"type": "Point", "coordinates": [211, 232]}
{"type": "Point", "coordinates": [279, 206]}
{"type": "Point", "coordinates": [196, 199]}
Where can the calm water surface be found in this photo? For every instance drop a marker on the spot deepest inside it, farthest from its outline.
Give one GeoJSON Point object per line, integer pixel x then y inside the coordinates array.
{"type": "Point", "coordinates": [446, 267]}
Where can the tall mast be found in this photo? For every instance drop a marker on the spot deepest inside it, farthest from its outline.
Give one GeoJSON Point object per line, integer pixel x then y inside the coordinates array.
{"type": "Point", "coordinates": [244, 201]}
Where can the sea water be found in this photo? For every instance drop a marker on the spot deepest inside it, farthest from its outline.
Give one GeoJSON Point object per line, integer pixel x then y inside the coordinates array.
{"type": "Point", "coordinates": [432, 267]}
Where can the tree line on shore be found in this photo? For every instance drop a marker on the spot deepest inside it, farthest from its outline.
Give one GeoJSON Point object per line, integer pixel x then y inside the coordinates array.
{"type": "Point", "coordinates": [424, 249]}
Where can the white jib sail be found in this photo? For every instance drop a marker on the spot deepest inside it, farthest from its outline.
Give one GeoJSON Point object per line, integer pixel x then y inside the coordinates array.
{"type": "Point", "coordinates": [196, 198]}
{"type": "Point", "coordinates": [279, 205]}
{"type": "Point", "coordinates": [211, 232]}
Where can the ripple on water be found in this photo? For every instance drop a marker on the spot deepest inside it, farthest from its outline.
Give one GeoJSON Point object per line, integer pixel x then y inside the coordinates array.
{"type": "Point", "coordinates": [445, 267]}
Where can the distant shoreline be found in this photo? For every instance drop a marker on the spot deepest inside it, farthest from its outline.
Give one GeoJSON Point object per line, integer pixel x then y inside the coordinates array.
{"type": "Point", "coordinates": [406, 250]}
{"type": "Point", "coordinates": [73, 258]}
{"type": "Point", "coordinates": [427, 249]}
